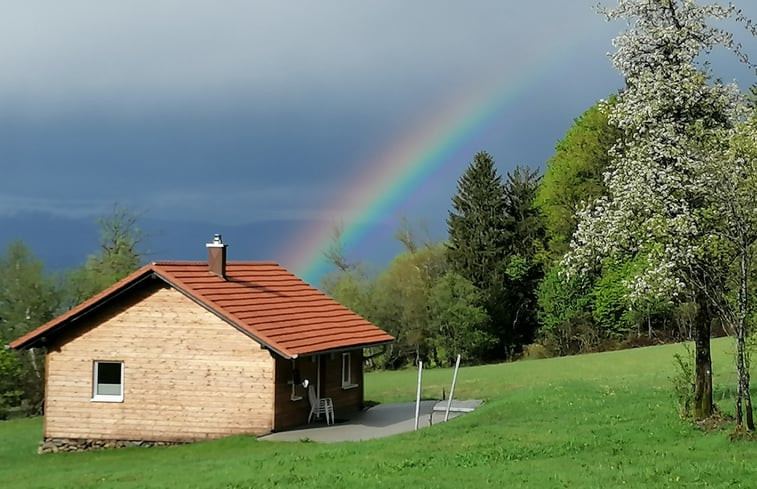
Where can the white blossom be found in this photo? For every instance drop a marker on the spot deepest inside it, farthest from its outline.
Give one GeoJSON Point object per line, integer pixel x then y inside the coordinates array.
{"type": "Point", "coordinates": [660, 181]}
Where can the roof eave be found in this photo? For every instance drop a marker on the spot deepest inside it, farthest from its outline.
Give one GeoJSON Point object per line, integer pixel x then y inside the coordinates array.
{"type": "Point", "coordinates": [41, 335]}
{"type": "Point", "coordinates": [346, 348]}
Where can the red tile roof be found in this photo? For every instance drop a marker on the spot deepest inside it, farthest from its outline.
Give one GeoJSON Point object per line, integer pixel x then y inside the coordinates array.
{"type": "Point", "coordinates": [263, 300]}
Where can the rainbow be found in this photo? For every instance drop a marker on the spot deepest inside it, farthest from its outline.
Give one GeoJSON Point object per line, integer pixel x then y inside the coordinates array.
{"type": "Point", "coordinates": [424, 155]}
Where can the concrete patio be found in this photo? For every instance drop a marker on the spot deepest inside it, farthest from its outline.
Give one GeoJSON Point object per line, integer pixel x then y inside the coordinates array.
{"type": "Point", "coordinates": [375, 422]}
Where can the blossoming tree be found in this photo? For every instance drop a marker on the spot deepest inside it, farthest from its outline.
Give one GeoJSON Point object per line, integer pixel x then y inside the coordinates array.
{"type": "Point", "coordinates": [658, 206]}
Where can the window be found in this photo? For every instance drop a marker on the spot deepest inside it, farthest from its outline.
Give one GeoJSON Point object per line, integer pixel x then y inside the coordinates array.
{"type": "Point", "coordinates": [108, 382]}
{"type": "Point", "coordinates": [347, 371]}
{"type": "Point", "coordinates": [295, 382]}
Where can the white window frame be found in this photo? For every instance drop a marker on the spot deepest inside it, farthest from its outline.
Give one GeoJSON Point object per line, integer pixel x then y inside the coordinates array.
{"type": "Point", "coordinates": [347, 371]}
{"type": "Point", "coordinates": [106, 397]}
{"type": "Point", "coordinates": [293, 396]}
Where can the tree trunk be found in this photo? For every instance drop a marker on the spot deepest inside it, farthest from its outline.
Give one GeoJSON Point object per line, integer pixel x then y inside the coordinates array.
{"type": "Point", "coordinates": [749, 413]}
{"type": "Point", "coordinates": [743, 395]}
{"type": "Point", "coordinates": [742, 361]}
{"type": "Point", "coordinates": [703, 382]}
{"type": "Point", "coordinates": [35, 365]}
{"type": "Point", "coordinates": [742, 381]}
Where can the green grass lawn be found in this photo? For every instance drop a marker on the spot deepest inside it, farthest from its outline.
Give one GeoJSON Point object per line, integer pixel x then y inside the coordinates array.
{"type": "Point", "coordinates": [604, 420]}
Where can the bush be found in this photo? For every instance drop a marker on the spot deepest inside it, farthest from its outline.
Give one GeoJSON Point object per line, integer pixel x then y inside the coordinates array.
{"type": "Point", "coordinates": [610, 305]}
{"type": "Point", "coordinates": [683, 382]}
{"type": "Point", "coordinates": [565, 314]}
{"type": "Point", "coordinates": [10, 381]}
{"type": "Point", "coordinates": [536, 351]}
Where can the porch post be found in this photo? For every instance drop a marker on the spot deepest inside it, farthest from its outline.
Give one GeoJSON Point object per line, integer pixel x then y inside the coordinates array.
{"type": "Point", "coordinates": [318, 377]}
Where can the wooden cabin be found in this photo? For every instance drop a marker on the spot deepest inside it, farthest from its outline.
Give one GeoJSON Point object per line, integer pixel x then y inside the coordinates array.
{"type": "Point", "coordinates": [186, 351]}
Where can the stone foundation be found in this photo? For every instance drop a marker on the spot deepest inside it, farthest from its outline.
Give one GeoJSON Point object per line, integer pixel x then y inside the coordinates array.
{"type": "Point", "coordinates": [57, 445]}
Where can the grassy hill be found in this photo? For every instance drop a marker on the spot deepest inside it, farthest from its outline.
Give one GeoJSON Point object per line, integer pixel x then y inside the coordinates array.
{"type": "Point", "coordinates": [601, 420]}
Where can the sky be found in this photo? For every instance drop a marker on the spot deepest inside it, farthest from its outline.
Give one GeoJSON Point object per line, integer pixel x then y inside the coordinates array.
{"type": "Point", "coordinates": [307, 114]}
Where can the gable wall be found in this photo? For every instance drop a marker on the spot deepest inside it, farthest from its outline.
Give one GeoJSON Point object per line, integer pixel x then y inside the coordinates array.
{"type": "Point", "coordinates": [188, 375]}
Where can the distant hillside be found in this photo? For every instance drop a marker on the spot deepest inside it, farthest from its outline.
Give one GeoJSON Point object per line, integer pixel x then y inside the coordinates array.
{"type": "Point", "coordinates": [66, 242]}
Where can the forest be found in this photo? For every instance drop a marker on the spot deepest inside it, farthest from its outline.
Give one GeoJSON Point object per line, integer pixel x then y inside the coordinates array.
{"type": "Point", "coordinates": [640, 230]}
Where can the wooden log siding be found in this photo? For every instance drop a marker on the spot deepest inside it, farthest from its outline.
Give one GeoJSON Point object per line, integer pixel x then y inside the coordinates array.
{"type": "Point", "coordinates": [188, 375]}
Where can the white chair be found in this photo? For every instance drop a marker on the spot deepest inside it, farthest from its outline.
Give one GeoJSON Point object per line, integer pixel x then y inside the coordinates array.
{"type": "Point", "coordinates": [318, 406]}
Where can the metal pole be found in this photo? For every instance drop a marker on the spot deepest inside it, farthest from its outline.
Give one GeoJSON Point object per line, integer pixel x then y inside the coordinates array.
{"type": "Point", "coordinates": [452, 389]}
{"type": "Point", "coordinates": [418, 395]}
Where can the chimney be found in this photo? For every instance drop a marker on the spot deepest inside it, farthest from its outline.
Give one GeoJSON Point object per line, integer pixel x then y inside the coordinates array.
{"type": "Point", "coordinates": [217, 256]}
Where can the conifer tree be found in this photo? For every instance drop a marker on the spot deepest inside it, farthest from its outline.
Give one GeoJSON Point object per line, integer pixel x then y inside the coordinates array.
{"type": "Point", "coordinates": [524, 246]}
{"type": "Point", "coordinates": [476, 223]}
{"type": "Point", "coordinates": [477, 227]}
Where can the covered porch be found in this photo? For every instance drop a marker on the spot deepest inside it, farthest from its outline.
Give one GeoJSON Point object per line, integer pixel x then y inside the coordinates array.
{"type": "Point", "coordinates": [337, 375]}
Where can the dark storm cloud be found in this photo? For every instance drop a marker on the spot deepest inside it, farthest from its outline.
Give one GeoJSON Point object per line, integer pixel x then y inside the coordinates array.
{"type": "Point", "coordinates": [58, 54]}
{"type": "Point", "coordinates": [174, 164]}
{"type": "Point", "coordinates": [267, 109]}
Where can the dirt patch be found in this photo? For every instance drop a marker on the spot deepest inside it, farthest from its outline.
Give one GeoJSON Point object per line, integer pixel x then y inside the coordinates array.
{"type": "Point", "coordinates": [716, 422]}
{"type": "Point", "coordinates": [741, 434]}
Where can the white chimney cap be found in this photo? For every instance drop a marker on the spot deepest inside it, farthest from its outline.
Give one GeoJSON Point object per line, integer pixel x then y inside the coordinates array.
{"type": "Point", "coordinates": [217, 242]}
